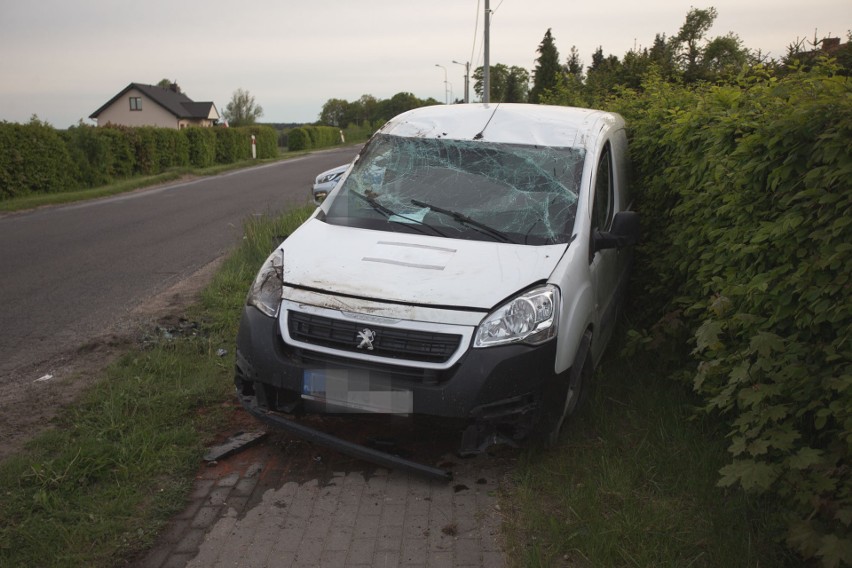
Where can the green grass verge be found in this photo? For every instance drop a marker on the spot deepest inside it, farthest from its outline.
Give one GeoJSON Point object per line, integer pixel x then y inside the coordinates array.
{"type": "Point", "coordinates": [633, 483]}
{"type": "Point", "coordinates": [101, 484]}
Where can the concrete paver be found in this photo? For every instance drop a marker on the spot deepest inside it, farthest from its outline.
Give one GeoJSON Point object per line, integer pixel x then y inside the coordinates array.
{"type": "Point", "coordinates": [250, 510]}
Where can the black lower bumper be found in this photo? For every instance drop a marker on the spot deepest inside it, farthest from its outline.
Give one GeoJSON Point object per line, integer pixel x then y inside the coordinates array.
{"type": "Point", "coordinates": [355, 450]}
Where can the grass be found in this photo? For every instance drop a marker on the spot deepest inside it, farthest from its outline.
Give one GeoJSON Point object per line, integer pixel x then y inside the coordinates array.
{"type": "Point", "coordinates": [633, 483]}
{"type": "Point", "coordinates": [100, 485]}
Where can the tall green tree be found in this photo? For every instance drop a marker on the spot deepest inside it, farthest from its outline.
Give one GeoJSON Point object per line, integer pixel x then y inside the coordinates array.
{"type": "Point", "coordinates": [688, 40]}
{"type": "Point", "coordinates": [604, 74]}
{"type": "Point", "coordinates": [242, 110]}
{"type": "Point", "coordinates": [574, 66]}
{"type": "Point", "coordinates": [508, 84]}
{"type": "Point", "coordinates": [547, 68]}
{"type": "Point", "coordinates": [335, 113]}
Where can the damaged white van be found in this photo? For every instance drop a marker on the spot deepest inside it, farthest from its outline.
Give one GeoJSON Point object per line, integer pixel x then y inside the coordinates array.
{"type": "Point", "coordinates": [469, 265]}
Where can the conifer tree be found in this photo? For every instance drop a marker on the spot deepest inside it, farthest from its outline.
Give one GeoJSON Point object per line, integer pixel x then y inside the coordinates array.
{"type": "Point", "coordinates": [547, 69]}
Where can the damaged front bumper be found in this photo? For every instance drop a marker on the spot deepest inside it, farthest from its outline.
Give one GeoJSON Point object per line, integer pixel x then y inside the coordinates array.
{"type": "Point", "coordinates": [495, 391]}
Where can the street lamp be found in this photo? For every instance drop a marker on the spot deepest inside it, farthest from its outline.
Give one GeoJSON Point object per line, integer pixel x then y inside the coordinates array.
{"type": "Point", "coordinates": [445, 83]}
{"type": "Point", "coordinates": [466, 79]}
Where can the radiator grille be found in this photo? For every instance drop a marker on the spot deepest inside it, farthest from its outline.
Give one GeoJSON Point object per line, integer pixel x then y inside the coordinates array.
{"type": "Point", "coordinates": [409, 345]}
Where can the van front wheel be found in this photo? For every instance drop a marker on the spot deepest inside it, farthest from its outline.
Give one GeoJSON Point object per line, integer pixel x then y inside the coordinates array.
{"type": "Point", "coordinates": [562, 399]}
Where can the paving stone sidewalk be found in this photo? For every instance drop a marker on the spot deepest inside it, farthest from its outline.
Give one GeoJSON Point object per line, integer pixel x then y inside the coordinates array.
{"type": "Point", "coordinates": [251, 511]}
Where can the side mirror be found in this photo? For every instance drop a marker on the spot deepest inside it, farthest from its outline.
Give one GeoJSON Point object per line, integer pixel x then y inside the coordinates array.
{"type": "Point", "coordinates": [624, 232]}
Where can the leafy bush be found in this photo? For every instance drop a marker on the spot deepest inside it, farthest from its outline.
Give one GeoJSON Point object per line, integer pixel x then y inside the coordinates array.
{"type": "Point", "coordinates": [202, 146]}
{"type": "Point", "coordinates": [33, 159]}
{"type": "Point", "coordinates": [266, 140]}
{"type": "Point", "coordinates": [298, 139]}
{"type": "Point", "coordinates": [746, 200]}
{"type": "Point", "coordinates": [309, 137]}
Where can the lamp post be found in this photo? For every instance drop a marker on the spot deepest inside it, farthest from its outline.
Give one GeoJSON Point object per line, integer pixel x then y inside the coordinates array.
{"type": "Point", "coordinates": [445, 83]}
{"type": "Point", "coordinates": [466, 79]}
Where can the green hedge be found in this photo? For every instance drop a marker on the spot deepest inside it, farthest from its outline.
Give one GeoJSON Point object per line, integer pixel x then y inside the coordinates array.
{"type": "Point", "coordinates": [745, 195]}
{"type": "Point", "coordinates": [311, 137]}
{"type": "Point", "coordinates": [202, 146]}
{"type": "Point", "coordinates": [35, 158]}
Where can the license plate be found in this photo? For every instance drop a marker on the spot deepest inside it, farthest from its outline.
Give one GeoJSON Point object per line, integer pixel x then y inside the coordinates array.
{"type": "Point", "coordinates": [352, 390]}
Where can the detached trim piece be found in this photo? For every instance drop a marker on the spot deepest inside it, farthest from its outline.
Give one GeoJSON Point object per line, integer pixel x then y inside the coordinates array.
{"type": "Point", "coordinates": [342, 446]}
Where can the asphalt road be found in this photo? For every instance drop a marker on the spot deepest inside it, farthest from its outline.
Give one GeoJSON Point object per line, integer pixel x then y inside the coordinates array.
{"type": "Point", "coordinates": [69, 274]}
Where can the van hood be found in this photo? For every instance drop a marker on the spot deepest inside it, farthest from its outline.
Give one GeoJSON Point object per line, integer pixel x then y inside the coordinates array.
{"type": "Point", "coordinates": [412, 269]}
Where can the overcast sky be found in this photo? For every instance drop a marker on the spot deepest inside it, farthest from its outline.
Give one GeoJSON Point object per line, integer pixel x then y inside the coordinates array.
{"type": "Point", "coordinates": [62, 59]}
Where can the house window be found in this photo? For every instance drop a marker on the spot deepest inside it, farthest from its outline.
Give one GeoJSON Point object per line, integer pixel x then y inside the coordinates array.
{"type": "Point", "coordinates": [135, 103]}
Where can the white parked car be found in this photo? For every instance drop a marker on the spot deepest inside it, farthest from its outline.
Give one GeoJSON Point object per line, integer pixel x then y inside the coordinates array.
{"type": "Point", "coordinates": [325, 182]}
{"type": "Point", "coordinates": [470, 266]}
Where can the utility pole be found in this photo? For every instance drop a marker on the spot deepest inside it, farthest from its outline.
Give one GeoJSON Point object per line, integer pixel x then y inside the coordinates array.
{"type": "Point", "coordinates": [486, 67]}
{"type": "Point", "coordinates": [466, 79]}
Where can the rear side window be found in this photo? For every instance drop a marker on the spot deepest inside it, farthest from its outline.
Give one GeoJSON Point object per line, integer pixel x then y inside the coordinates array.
{"type": "Point", "coordinates": [603, 205]}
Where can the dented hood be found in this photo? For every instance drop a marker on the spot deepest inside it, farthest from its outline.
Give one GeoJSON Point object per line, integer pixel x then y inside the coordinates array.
{"type": "Point", "coordinates": [410, 268]}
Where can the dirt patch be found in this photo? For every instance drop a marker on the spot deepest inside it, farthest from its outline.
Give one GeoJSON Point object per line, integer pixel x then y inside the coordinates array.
{"type": "Point", "coordinates": [42, 388]}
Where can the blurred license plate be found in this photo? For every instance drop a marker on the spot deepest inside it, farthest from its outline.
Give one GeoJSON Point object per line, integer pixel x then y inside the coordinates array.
{"type": "Point", "coordinates": [352, 390]}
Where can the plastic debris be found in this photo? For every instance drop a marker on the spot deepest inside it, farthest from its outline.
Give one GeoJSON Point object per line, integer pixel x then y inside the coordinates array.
{"type": "Point", "coordinates": [233, 445]}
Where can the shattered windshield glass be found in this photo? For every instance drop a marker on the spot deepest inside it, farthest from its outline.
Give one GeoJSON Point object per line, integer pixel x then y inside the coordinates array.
{"type": "Point", "coordinates": [462, 189]}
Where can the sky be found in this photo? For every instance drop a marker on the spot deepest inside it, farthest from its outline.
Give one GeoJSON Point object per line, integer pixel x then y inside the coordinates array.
{"type": "Point", "coordinates": [62, 59]}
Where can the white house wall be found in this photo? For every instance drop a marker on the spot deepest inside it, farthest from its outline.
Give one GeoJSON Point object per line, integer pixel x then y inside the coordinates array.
{"type": "Point", "coordinates": [151, 114]}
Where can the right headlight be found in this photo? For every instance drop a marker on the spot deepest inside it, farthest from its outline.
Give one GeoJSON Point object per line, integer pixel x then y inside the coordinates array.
{"type": "Point", "coordinates": [531, 317]}
{"type": "Point", "coordinates": [265, 292]}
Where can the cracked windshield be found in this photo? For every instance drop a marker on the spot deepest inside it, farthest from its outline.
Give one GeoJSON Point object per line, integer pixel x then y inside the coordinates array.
{"type": "Point", "coordinates": [463, 189]}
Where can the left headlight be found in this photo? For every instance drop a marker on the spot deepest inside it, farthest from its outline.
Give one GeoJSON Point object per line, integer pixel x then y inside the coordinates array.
{"type": "Point", "coordinates": [265, 292]}
{"type": "Point", "coordinates": [531, 318]}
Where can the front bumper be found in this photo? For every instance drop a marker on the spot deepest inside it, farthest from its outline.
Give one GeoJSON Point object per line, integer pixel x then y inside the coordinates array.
{"type": "Point", "coordinates": [496, 392]}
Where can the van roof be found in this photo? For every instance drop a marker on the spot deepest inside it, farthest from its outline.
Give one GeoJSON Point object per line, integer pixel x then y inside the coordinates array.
{"type": "Point", "coordinates": [508, 123]}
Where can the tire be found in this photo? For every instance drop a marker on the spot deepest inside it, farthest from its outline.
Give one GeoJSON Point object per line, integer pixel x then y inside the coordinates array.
{"type": "Point", "coordinates": [568, 394]}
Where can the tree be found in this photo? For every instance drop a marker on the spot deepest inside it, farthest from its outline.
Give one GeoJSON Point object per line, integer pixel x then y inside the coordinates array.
{"type": "Point", "coordinates": [517, 86]}
{"type": "Point", "coordinates": [698, 23]}
{"type": "Point", "coordinates": [574, 66]}
{"type": "Point", "coordinates": [334, 113]}
{"type": "Point", "coordinates": [169, 84]}
{"type": "Point", "coordinates": [508, 84]}
{"type": "Point", "coordinates": [242, 110]}
{"type": "Point", "coordinates": [604, 74]}
{"type": "Point", "coordinates": [724, 54]}
{"type": "Point", "coordinates": [547, 69]}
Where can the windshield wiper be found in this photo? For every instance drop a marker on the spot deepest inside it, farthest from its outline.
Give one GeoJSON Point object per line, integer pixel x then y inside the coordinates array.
{"type": "Point", "coordinates": [465, 220]}
{"type": "Point", "coordinates": [389, 213]}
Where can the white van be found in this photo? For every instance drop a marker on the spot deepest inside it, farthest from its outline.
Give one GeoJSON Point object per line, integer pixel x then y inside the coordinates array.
{"type": "Point", "coordinates": [468, 265]}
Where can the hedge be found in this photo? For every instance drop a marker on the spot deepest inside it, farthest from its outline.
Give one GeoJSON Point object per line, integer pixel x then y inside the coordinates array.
{"type": "Point", "coordinates": [35, 158]}
{"type": "Point", "coordinates": [745, 197]}
{"type": "Point", "coordinates": [310, 137]}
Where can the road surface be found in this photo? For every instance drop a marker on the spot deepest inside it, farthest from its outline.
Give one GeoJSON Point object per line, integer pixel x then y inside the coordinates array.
{"type": "Point", "coordinates": [71, 276]}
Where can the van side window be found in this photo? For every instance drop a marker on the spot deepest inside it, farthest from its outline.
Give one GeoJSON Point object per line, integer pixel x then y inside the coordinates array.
{"type": "Point", "coordinates": [603, 204]}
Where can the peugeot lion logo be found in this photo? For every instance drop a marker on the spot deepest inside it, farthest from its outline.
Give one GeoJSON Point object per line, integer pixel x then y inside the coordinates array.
{"type": "Point", "coordinates": [367, 336]}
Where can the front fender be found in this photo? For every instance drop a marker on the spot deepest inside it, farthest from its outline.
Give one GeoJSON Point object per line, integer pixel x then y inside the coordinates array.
{"type": "Point", "coordinates": [576, 317]}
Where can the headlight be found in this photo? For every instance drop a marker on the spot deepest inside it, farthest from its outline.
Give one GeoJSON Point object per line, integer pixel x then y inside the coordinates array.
{"type": "Point", "coordinates": [265, 292]}
{"type": "Point", "coordinates": [531, 318]}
